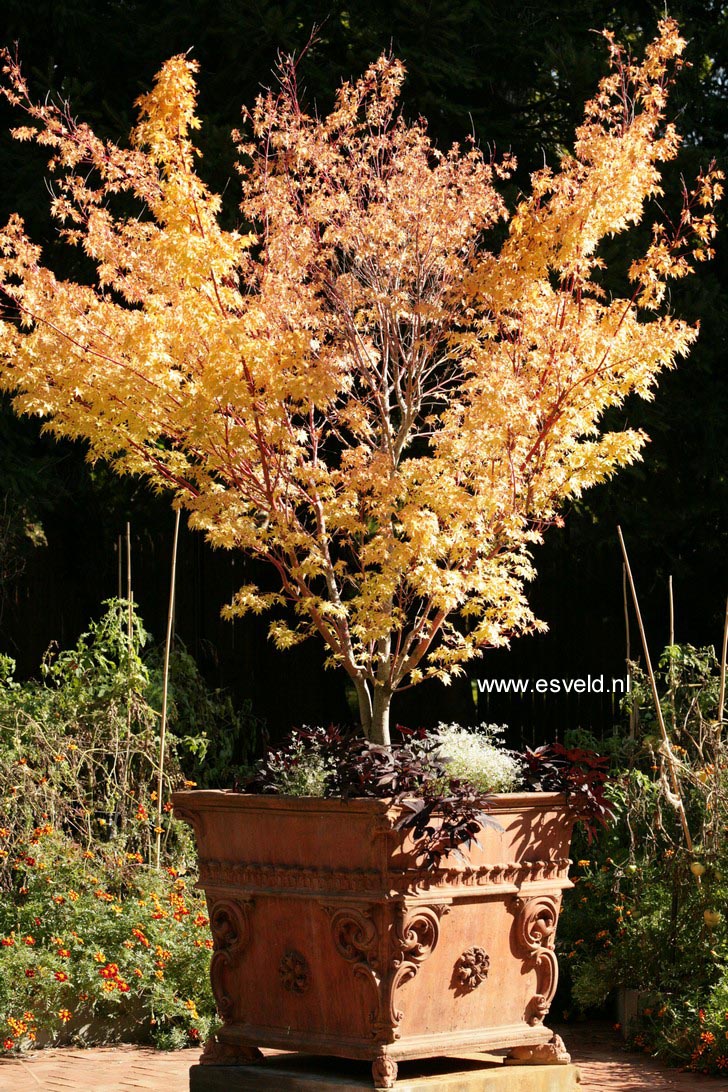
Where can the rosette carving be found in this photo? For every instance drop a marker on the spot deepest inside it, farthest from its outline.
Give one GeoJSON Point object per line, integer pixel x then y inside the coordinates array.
{"type": "Point", "coordinates": [535, 930]}
{"type": "Point", "coordinates": [230, 927]}
{"type": "Point", "coordinates": [472, 968]}
{"type": "Point", "coordinates": [294, 972]}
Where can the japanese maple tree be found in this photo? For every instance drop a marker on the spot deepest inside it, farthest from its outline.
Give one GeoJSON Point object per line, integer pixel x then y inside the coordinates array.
{"type": "Point", "coordinates": [360, 385]}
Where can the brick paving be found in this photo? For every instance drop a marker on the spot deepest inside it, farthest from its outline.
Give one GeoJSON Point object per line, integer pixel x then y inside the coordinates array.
{"type": "Point", "coordinates": [604, 1063]}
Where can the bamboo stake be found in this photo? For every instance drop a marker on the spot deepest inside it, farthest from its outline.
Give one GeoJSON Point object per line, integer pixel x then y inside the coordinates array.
{"type": "Point", "coordinates": [120, 556]}
{"type": "Point", "coordinates": [129, 623]}
{"type": "Point", "coordinates": [667, 749]}
{"type": "Point", "coordinates": [723, 659]}
{"type": "Point", "coordinates": [165, 687]}
{"type": "Point", "coordinates": [673, 717]}
{"type": "Point", "coordinates": [628, 657]}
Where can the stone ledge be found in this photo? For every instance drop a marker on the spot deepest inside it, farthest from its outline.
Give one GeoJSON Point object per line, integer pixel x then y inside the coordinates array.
{"type": "Point", "coordinates": [305, 1073]}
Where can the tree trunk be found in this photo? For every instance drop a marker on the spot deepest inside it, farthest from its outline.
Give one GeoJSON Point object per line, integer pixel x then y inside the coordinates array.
{"type": "Point", "coordinates": [374, 712]}
{"type": "Point", "coordinates": [379, 730]}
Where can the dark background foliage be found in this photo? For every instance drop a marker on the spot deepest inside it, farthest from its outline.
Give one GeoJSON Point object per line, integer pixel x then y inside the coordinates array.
{"type": "Point", "coordinates": [515, 74]}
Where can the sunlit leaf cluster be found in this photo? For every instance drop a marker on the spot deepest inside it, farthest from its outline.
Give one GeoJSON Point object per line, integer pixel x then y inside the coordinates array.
{"type": "Point", "coordinates": [380, 383]}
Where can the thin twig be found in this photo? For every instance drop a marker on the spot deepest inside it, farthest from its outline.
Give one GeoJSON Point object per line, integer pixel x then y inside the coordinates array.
{"type": "Point", "coordinates": [165, 686]}
{"type": "Point", "coordinates": [723, 658]}
{"type": "Point", "coordinates": [667, 749]}
{"type": "Point", "coordinates": [673, 717]}
{"type": "Point", "coordinates": [628, 657]}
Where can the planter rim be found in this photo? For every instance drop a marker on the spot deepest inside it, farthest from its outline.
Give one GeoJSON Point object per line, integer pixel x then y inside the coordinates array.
{"type": "Point", "coordinates": [226, 798]}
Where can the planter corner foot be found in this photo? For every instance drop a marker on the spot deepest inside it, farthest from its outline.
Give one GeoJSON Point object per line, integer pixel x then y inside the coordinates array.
{"type": "Point", "coordinates": [552, 1053]}
{"type": "Point", "coordinates": [218, 1052]}
{"type": "Point", "coordinates": [384, 1071]}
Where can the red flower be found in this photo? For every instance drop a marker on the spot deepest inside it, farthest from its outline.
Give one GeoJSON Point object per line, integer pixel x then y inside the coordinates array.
{"type": "Point", "coordinates": [29, 972]}
{"type": "Point", "coordinates": [8, 1044]}
{"type": "Point", "coordinates": [60, 976]}
{"type": "Point", "coordinates": [111, 970]}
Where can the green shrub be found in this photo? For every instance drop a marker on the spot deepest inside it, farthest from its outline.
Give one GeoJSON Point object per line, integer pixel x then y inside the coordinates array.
{"type": "Point", "coordinates": [647, 913]}
{"type": "Point", "coordinates": [95, 944]}
{"type": "Point", "coordinates": [95, 948]}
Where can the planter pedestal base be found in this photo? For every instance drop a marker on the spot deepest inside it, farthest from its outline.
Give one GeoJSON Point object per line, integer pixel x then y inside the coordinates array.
{"type": "Point", "coordinates": [305, 1073]}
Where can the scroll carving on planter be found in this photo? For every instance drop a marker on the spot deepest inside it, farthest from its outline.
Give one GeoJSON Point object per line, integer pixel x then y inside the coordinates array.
{"type": "Point", "coordinates": [294, 972]}
{"type": "Point", "coordinates": [413, 938]}
{"type": "Point", "coordinates": [416, 932]}
{"type": "Point", "coordinates": [535, 930]}
{"type": "Point", "coordinates": [356, 939]}
{"type": "Point", "coordinates": [472, 968]}
{"type": "Point", "coordinates": [230, 927]}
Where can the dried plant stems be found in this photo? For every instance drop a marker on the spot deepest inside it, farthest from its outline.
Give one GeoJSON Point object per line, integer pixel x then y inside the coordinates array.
{"type": "Point", "coordinates": [672, 645]}
{"type": "Point", "coordinates": [165, 689]}
{"type": "Point", "coordinates": [628, 656]}
{"type": "Point", "coordinates": [723, 659]}
{"type": "Point", "coordinates": [677, 801]}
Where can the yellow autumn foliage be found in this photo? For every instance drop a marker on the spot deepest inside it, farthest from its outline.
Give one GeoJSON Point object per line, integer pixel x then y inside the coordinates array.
{"type": "Point", "coordinates": [355, 386]}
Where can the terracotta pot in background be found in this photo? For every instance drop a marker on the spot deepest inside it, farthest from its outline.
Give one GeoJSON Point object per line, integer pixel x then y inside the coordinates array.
{"type": "Point", "coordinates": [329, 937]}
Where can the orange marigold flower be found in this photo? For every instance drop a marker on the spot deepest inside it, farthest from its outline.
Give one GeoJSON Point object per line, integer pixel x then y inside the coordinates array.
{"type": "Point", "coordinates": [59, 900]}
{"type": "Point", "coordinates": [111, 970]}
{"type": "Point", "coordinates": [7, 942]}
{"type": "Point", "coordinates": [64, 953]}
{"type": "Point", "coordinates": [73, 896]}
{"type": "Point", "coordinates": [122, 986]}
{"type": "Point", "coordinates": [201, 920]}
{"type": "Point", "coordinates": [60, 976]}
{"type": "Point", "coordinates": [29, 972]}
{"type": "Point", "coordinates": [137, 972]}
{"type": "Point", "coordinates": [8, 1044]}
{"type": "Point", "coordinates": [65, 1015]}
{"type": "Point", "coordinates": [30, 941]}
{"type": "Point", "coordinates": [193, 1033]}
{"type": "Point", "coordinates": [88, 855]}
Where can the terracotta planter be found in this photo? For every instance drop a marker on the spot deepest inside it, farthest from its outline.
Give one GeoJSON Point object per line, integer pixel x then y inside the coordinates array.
{"type": "Point", "coordinates": [329, 938]}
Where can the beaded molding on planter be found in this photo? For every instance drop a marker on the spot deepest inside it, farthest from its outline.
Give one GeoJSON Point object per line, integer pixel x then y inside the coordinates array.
{"type": "Point", "coordinates": [535, 930]}
{"type": "Point", "coordinates": [257, 876]}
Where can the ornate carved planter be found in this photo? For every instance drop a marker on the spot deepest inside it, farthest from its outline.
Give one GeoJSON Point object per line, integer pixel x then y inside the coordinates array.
{"type": "Point", "coordinates": [329, 938]}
